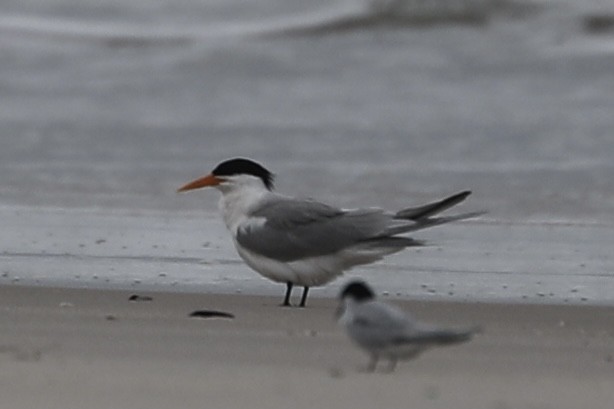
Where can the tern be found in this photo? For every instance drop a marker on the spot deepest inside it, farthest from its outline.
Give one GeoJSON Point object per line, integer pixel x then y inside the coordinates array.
{"type": "Point", "coordinates": [304, 242]}
{"type": "Point", "coordinates": [385, 331]}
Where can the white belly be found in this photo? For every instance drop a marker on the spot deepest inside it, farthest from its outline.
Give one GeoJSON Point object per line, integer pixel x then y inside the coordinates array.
{"type": "Point", "coordinates": [309, 272]}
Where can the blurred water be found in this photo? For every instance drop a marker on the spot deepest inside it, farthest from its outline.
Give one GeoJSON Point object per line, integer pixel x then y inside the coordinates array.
{"type": "Point", "coordinates": [116, 103]}
{"type": "Point", "coordinates": [111, 105]}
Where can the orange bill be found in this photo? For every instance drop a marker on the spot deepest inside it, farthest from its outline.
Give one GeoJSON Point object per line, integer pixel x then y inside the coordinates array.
{"type": "Point", "coordinates": [209, 180]}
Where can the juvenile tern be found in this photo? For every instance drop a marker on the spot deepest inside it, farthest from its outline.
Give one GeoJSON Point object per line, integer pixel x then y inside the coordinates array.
{"type": "Point", "coordinates": [305, 242]}
{"type": "Point", "coordinates": [384, 331]}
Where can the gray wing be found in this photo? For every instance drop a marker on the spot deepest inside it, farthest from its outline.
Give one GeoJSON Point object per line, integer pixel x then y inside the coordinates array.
{"type": "Point", "coordinates": [382, 325]}
{"type": "Point", "coordinates": [436, 336]}
{"type": "Point", "coordinates": [296, 229]}
{"type": "Point", "coordinates": [378, 325]}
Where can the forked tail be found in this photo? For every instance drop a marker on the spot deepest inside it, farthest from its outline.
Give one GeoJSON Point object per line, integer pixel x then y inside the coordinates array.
{"type": "Point", "coordinates": [422, 215]}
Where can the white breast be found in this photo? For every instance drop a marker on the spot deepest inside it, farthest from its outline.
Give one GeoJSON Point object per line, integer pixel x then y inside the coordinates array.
{"type": "Point", "coordinates": [313, 271]}
{"type": "Point", "coordinates": [236, 205]}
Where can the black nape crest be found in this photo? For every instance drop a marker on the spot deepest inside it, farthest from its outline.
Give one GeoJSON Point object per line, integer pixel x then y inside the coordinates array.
{"type": "Point", "coordinates": [243, 166]}
{"type": "Point", "coordinates": [359, 290]}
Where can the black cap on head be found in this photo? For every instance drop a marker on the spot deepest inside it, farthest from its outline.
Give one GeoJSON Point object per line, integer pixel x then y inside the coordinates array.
{"type": "Point", "coordinates": [243, 166]}
{"type": "Point", "coordinates": [358, 290]}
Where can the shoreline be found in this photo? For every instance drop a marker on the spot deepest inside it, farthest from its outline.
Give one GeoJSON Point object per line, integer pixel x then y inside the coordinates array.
{"type": "Point", "coordinates": [549, 263]}
{"type": "Point", "coordinates": [274, 292]}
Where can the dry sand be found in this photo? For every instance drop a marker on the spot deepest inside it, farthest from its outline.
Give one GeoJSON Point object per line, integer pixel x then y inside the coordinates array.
{"type": "Point", "coordinates": [71, 348]}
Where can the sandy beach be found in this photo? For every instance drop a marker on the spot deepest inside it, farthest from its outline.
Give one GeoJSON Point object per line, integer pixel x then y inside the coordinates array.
{"type": "Point", "coordinates": [76, 348]}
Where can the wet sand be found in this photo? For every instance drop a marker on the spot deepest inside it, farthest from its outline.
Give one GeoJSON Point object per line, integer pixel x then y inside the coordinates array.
{"type": "Point", "coordinates": [76, 348]}
{"type": "Point", "coordinates": [485, 259]}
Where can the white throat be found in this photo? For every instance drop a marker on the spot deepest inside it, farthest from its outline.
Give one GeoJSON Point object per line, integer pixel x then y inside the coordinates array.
{"type": "Point", "coordinates": [239, 198]}
{"type": "Point", "coordinates": [347, 311]}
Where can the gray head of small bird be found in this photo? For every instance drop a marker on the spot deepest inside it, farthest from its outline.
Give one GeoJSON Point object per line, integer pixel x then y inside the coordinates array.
{"type": "Point", "coordinates": [358, 290]}
{"type": "Point", "coordinates": [229, 168]}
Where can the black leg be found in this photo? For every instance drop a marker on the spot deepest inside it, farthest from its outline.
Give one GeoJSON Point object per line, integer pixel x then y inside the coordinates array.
{"type": "Point", "coordinates": [372, 363]}
{"type": "Point", "coordinates": [304, 297]}
{"type": "Point", "coordinates": [392, 365]}
{"type": "Point", "coordinates": [288, 292]}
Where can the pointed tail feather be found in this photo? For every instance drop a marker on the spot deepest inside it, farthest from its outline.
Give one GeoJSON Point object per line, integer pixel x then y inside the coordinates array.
{"type": "Point", "coordinates": [431, 209]}
{"type": "Point", "coordinates": [392, 242]}
{"type": "Point", "coordinates": [430, 222]}
{"type": "Point", "coordinates": [452, 337]}
{"type": "Point", "coordinates": [443, 337]}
